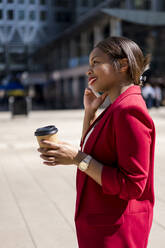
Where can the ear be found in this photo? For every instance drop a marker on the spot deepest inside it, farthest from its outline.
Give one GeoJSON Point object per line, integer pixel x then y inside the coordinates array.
{"type": "Point", "coordinates": [123, 65]}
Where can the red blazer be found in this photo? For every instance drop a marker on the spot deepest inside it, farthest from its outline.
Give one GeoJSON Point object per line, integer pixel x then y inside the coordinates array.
{"type": "Point", "coordinates": [119, 213]}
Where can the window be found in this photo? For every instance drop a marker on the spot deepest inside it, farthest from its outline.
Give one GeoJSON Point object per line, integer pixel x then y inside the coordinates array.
{"type": "Point", "coordinates": [43, 15]}
{"type": "Point", "coordinates": [32, 1]}
{"type": "Point", "coordinates": [9, 28]}
{"type": "Point", "coordinates": [63, 16]}
{"type": "Point", "coordinates": [46, 29]}
{"type": "Point", "coordinates": [20, 1]}
{"type": "Point", "coordinates": [91, 41]}
{"type": "Point", "coordinates": [84, 3]}
{"type": "Point", "coordinates": [10, 14]}
{"type": "Point", "coordinates": [106, 31]}
{"type": "Point", "coordinates": [78, 45]}
{"type": "Point", "coordinates": [1, 14]}
{"type": "Point", "coordinates": [142, 4]}
{"type": "Point", "coordinates": [96, 2]}
{"type": "Point", "coordinates": [2, 57]}
{"type": "Point", "coordinates": [147, 4]}
{"type": "Point", "coordinates": [138, 3]}
{"type": "Point", "coordinates": [18, 58]}
{"type": "Point", "coordinates": [61, 3]}
{"type": "Point", "coordinates": [23, 30]}
{"type": "Point", "coordinates": [32, 15]}
{"type": "Point", "coordinates": [10, 1]}
{"type": "Point", "coordinates": [21, 15]}
{"type": "Point", "coordinates": [31, 29]}
{"type": "Point", "coordinates": [123, 4]}
{"type": "Point", "coordinates": [42, 2]}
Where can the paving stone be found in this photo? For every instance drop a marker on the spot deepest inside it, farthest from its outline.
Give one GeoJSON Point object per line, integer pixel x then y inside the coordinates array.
{"type": "Point", "coordinates": [38, 202]}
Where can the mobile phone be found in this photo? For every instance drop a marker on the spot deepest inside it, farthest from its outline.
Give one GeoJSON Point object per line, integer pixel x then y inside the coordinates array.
{"type": "Point", "coordinates": [98, 94]}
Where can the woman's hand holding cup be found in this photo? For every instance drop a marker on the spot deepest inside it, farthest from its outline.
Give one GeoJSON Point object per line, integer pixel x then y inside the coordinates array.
{"type": "Point", "coordinates": [55, 154]}
{"type": "Point", "coordinates": [53, 151]}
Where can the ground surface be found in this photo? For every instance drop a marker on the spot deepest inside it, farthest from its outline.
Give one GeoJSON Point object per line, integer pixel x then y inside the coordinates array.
{"type": "Point", "coordinates": [37, 202]}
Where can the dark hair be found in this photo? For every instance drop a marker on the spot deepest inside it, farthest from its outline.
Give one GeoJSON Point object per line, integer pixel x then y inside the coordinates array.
{"type": "Point", "coordinates": [122, 47]}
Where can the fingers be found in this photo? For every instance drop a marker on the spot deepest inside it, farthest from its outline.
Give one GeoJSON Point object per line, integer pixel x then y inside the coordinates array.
{"type": "Point", "coordinates": [51, 163]}
{"type": "Point", "coordinates": [104, 95]}
{"type": "Point", "coordinates": [50, 144]}
{"type": "Point", "coordinates": [88, 91]}
{"type": "Point", "coordinates": [47, 158]}
{"type": "Point", "coordinates": [63, 143]}
{"type": "Point", "coordinates": [47, 151]}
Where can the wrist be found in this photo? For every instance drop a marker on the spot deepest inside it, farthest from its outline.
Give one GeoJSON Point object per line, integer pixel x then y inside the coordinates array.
{"type": "Point", "coordinates": [90, 114]}
{"type": "Point", "coordinates": [79, 157]}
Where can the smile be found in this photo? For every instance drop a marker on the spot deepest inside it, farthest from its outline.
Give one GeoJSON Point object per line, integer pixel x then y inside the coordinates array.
{"type": "Point", "coordinates": [92, 80]}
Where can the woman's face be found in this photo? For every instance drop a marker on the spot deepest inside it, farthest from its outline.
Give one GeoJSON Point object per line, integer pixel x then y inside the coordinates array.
{"type": "Point", "coordinates": [102, 76]}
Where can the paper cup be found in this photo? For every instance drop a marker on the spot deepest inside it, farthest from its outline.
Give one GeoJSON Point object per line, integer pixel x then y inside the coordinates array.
{"type": "Point", "coordinates": [49, 133]}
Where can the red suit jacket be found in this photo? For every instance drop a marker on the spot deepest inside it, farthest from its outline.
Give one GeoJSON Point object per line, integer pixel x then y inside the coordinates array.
{"type": "Point", "coordinates": [119, 213]}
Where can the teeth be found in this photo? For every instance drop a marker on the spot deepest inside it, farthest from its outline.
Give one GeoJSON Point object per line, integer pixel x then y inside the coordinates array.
{"type": "Point", "coordinates": [92, 80]}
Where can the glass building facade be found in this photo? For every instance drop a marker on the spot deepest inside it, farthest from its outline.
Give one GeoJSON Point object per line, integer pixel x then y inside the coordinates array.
{"type": "Point", "coordinates": [26, 25]}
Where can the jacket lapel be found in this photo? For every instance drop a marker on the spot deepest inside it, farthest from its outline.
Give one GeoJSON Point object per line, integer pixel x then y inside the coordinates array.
{"type": "Point", "coordinates": [81, 176]}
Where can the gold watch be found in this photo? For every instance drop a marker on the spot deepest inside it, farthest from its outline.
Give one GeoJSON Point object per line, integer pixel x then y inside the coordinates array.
{"type": "Point", "coordinates": [84, 164]}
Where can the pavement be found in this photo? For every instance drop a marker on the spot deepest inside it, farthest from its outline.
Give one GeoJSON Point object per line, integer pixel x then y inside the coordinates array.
{"type": "Point", "coordinates": [37, 202]}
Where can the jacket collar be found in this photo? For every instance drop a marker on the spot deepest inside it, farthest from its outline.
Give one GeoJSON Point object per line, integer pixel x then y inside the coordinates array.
{"type": "Point", "coordinates": [134, 89]}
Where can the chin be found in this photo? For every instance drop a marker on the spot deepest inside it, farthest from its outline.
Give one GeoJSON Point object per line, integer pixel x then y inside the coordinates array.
{"type": "Point", "coordinates": [100, 90]}
{"type": "Point", "coordinates": [97, 88]}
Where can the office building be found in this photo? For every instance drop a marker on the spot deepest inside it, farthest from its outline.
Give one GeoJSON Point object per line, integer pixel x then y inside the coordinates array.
{"type": "Point", "coordinates": [65, 60]}
{"type": "Point", "coordinates": [26, 25]}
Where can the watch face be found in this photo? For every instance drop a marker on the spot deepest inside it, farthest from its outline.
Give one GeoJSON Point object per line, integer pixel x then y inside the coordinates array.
{"type": "Point", "coordinates": [83, 166]}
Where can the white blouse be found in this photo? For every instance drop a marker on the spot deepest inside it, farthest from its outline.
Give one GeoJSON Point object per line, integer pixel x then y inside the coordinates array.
{"type": "Point", "coordinates": [87, 136]}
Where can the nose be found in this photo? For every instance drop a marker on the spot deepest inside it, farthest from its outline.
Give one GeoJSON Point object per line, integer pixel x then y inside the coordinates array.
{"type": "Point", "coordinates": [89, 72]}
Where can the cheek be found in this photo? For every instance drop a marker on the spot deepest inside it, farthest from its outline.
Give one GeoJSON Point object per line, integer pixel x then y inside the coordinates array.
{"type": "Point", "coordinates": [106, 69]}
{"type": "Point", "coordinates": [108, 72]}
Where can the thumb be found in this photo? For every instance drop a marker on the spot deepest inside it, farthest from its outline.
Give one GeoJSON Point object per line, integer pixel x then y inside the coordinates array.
{"type": "Point", "coordinates": [63, 143]}
{"type": "Point", "coordinates": [50, 144]}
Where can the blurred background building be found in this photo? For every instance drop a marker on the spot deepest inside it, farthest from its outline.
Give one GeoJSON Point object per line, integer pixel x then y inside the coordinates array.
{"type": "Point", "coordinates": [49, 41]}
{"type": "Point", "coordinates": [26, 25]}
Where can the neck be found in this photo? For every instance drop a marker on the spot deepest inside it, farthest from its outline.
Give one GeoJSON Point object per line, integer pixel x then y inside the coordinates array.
{"type": "Point", "coordinates": [115, 92]}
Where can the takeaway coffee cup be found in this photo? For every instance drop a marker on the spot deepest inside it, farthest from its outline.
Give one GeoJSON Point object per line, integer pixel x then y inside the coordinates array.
{"type": "Point", "coordinates": [48, 133]}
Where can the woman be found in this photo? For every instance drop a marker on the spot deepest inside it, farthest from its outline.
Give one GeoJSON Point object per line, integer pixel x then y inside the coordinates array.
{"type": "Point", "coordinates": [115, 195]}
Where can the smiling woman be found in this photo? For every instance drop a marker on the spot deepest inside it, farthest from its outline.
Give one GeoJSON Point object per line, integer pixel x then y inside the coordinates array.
{"type": "Point", "coordinates": [116, 59]}
{"type": "Point", "coordinates": [115, 190]}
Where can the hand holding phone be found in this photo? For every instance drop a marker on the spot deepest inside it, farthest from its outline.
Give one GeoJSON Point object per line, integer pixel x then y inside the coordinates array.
{"type": "Point", "coordinates": [97, 94]}
{"type": "Point", "coordinates": [93, 100]}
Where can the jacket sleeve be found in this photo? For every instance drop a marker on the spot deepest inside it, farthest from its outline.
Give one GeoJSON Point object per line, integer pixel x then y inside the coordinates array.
{"type": "Point", "coordinates": [133, 130]}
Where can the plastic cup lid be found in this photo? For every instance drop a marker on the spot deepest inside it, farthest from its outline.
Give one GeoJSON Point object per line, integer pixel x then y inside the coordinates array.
{"type": "Point", "coordinates": [46, 130]}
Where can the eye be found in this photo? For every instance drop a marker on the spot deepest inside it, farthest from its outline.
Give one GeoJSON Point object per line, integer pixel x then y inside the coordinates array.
{"type": "Point", "coordinates": [95, 62]}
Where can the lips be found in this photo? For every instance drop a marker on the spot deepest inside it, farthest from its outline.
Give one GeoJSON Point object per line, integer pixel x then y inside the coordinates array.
{"type": "Point", "coordinates": [91, 80]}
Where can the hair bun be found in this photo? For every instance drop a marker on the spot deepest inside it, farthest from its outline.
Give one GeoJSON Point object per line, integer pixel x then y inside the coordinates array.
{"type": "Point", "coordinates": [143, 78]}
